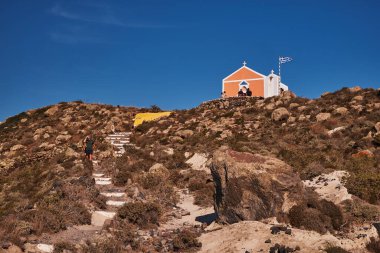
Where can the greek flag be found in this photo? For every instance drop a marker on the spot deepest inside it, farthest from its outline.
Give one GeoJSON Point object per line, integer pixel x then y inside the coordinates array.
{"type": "Point", "coordinates": [285, 59]}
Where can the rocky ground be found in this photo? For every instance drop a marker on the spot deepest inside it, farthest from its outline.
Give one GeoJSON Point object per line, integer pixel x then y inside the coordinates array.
{"type": "Point", "coordinates": [282, 174]}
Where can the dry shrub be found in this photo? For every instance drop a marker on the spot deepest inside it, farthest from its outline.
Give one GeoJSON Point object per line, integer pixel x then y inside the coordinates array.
{"type": "Point", "coordinates": [125, 171]}
{"type": "Point", "coordinates": [318, 129]}
{"type": "Point", "coordinates": [125, 233]}
{"type": "Point", "coordinates": [64, 247]}
{"type": "Point", "coordinates": [142, 214]}
{"type": "Point", "coordinates": [145, 126]}
{"type": "Point", "coordinates": [168, 195]}
{"type": "Point", "coordinates": [203, 190]}
{"type": "Point", "coordinates": [198, 182]}
{"type": "Point", "coordinates": [150, 180]}
{"type": "Point", "coordinates": [12, 229]}
{"type": "Point", "coordinates": [131, 165]}
{"type": "Point", "coordinates": [305, 161]}
{"type": "Point", "coordinates": [55, 213]}
{"type": "Point", "coordinates": [176, 161]}
{"type": "Point", "coordinates": [317, 215]}
{"type": "Point", "coordinates": [373, 245]}
{"type": "Point", "coordinates": [364, 180]}
{"type": "Point", "coordinates": [335, 249]}
{"type": "Point", "coordinates": [186, 240]}
{"type": "Point", "coordinates": [361, 211]}
{"type": "Point", "coordinates": [109, 245]}
{"type": "Point", "coordinates": [156, 185]}
{"type": "Point", "coordinates": [331, 123]}
{"type": "Point", "coordinates": [25, 186]}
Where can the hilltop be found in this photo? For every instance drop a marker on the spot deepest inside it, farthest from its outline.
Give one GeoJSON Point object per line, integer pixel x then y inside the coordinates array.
{"type": "Point", "coordinates": [294, 173]}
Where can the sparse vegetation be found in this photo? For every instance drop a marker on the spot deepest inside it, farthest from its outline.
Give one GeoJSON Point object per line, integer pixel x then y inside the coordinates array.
{"type": "Point", "coordinates": [373, 245]}
{"type": "Point", "coordinates": [335, 249]}
{"type": "Point", "coordinates": [141, 214]}
{"type": "Point", "coordinates": [317, 215]}
{"type": "Point", "coordinates": [186, 240]}
{"type": "Point", "coordinates": [46, 187]}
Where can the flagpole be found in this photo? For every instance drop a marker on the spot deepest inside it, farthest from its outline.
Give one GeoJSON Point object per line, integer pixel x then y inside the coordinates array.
{"type": "Point", "coordinates": [281, 60]}
{"type": "Point", "coordinates": [279, 74]}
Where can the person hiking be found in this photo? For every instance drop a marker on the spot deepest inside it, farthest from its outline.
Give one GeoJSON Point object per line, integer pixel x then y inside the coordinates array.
{"type": "Point", "coordinates": [240, 93]}
{"type": "Point", "coordinates": [88, 147]}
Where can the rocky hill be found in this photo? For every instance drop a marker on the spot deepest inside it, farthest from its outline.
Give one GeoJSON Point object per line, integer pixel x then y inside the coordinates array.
{"type": "Point", "coordinates": [287, 174]}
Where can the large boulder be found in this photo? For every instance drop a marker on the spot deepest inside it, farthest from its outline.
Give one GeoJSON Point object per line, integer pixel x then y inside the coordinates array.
{"type": "Point", "coordinates": [198, 162]}
{"type": "Point", "coordinates": [52, 110]}
{"type": "Point", "coordinates": [280, 114]}
{"type": "Point", "coordinates": [159, 169]}
{"type": "Point", "coordinates": [252, 187]}
{"type": "Point", "coordinates": [17, 147]}
{"type": "Point", "coordinates": [341, 110]}
{"type": "Point", "coordinates": [287, 95]}
{"type": "Point", "coordinates": [323, 116]}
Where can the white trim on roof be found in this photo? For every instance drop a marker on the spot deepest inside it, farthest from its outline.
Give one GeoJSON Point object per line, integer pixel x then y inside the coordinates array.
{"type": "Point", "coordinates": [251, 79]}
{"type": "Point", "coordinates": [246, 68]}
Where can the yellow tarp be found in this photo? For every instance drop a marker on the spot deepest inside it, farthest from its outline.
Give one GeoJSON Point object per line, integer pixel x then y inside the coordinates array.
{"type": "Point", "coordinates": [149, 116]}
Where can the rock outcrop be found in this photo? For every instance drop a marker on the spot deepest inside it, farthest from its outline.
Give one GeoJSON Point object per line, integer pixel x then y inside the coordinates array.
{"type": "Point", "coordinates": [252, 187]}
{"type": "Point", "coordinates": [280, 114]}
{"type": "Point", "coordinates": [323, 116]}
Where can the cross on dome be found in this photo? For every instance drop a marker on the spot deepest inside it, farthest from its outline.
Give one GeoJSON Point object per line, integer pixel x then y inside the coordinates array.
{"type": "Point", "coordinates": [244, 63]}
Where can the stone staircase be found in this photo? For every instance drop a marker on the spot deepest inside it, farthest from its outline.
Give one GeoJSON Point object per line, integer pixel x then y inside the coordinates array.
{"type": "Point", "coordinates": [119, 140]}
{"type": "Point", "coordinates": [116, 196]}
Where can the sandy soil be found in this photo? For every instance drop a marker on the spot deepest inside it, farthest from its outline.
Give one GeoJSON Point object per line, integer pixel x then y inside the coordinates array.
{"type": "Point", "coordinates": [251, 236]}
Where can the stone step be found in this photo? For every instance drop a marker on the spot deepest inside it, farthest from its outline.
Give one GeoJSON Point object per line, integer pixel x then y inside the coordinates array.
{"type": "Point", "coordinates": [103, 180]}
{"type": "Point", "coordinates": [97, 175]}
{"type": "Point", "coordinates": [118, 144]}
{"type": "Point", "coordinates": [99, 217]}
{"type": "Point", "coordinates": [120, 134]}
{"type": "Point", "coordinates": [113, 194]}
{"type": "Point", "coordinates": [115, 203]}
{"type": "Point", "coordinates": [118, 139]}
{"type": "Point", "coordinates": [45, 247]}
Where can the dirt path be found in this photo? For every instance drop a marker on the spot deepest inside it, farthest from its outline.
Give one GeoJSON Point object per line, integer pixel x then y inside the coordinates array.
{"type": "Point", "coordinates": [190, 214]}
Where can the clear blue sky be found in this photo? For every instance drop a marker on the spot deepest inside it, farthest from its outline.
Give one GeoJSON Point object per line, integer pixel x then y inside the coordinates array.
{"type": "Point", "coordinates": [175, 53]}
